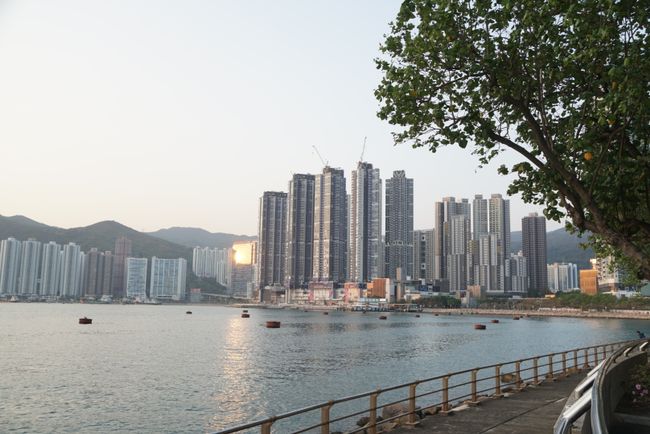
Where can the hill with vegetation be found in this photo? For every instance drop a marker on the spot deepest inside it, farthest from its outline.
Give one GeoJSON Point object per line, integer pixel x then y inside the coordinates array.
{"type": "Point", "coordinates": [192, 237]}
{"type": "Point", "coordinates": [102, 236]}
{"type": "Point", "coordinates": [561, 246]}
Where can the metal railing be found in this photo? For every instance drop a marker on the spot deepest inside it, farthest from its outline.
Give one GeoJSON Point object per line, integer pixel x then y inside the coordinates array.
{"type": "Point", "coordinates": [588, 398]}
{"type": "Point", "coordinates": [431, 395]}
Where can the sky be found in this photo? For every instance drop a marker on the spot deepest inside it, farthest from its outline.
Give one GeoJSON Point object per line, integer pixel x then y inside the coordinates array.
{"type": "Point", "coordinates": [182, 113]}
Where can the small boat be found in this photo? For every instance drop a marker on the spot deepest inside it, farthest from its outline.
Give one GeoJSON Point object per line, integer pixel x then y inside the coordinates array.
{"type": "Point", "coordinates": [326, 313]}
{"type": "Point", "coordinates": [189, 312]}
{"type": "Point", "coordinates": [245, 310]}
{"type": "Point", "coordinates": [495, 321]}
{"type": "Point", "coordinates": [273, 324]}
{"type": "Point", "coordinates": [85, 320]}
{"type": "Point", "coordinates": [245, 315]}
{"type": "Point", "coordinates": [383, 317]}
{"type": "Point", "coordinates": [515, 317]}
{"type": "Point", "coordinates": [479, 327]}
{"type": "Point", "coordinates": [417, 316]}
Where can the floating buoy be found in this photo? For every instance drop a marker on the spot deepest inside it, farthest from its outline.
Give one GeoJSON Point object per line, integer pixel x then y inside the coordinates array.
{"type": "Point", "coordinates": [273, 324]}
{"type": "Point", "coordinates": [383, 317]}
{"type": "Point", "coordinates": [85, 320]}
{"type": "Point", "coordinates": [495, 321]}
{"type": "Point", "coordinates": [245, 315]}
{"type": "Point", "coordinates": [189, 312]}
{"type": "Point", "coordinates": [479, 327]}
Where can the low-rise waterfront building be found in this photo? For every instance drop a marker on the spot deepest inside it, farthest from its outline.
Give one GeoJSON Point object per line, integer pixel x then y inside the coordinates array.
{"type": "Point", "coordinates": [589, 282]}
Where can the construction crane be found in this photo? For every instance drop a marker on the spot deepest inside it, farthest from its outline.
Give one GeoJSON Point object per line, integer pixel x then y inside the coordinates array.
{"type": "Point", "coordinates": [325, 163]}
{"type": "Point", "coordinates": [363, 150]}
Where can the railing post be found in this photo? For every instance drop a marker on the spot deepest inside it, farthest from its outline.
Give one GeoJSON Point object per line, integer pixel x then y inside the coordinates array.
{"type": "Point", "coordinates": [265, 428]}
{"type": "Point", "coordinates": [535, 372]}
{"type": "Point", "coordinates": [412, 415]}
{"type": "Point", "coordinates": [564, 372]}
{"type": "Point", "coordinates": [604, 352]}
{"type": "Point", "coordinates": [586, 365]}
{"type": "Point", "coordinates": [445, 393]}
{"type": "Point", "coordinates": [518, 374]}
{"type": "Point", "coordinates": [550, 366]}
{"type": "Point", "coordinates": [575, 360]}
{"type": "Point", "coordinates": [595, 356]}
{"type": "Point", "coordinates": [325, 418]}
{"type": "Point", "coordinates": [474, 393]}
{"type": "Point", "coordinates": [372, 428]}
{"type": "Point", "coordinates": [497, 380]}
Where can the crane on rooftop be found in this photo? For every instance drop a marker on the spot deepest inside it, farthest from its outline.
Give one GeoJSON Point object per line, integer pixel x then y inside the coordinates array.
{"type": "Point", "coordinates": [363, 150]}
{"type": "Point", "coordinates": [325, 163]}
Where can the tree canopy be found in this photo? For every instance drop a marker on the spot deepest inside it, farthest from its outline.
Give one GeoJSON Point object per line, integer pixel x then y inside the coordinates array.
{"type": "Point", "coordinates": [564, 84]}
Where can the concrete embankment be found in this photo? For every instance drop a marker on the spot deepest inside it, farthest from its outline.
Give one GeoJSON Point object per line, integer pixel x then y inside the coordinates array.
{"type": "Point", "coordinates": [573, 313]}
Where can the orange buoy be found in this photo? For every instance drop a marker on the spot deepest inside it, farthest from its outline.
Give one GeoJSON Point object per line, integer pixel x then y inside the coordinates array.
{"type": "Point", "coordinates": [479, 327]}
{"type": "Point", "coordinates": [245, 315]}
{"type": "Point", "coordinates": [273, 324]}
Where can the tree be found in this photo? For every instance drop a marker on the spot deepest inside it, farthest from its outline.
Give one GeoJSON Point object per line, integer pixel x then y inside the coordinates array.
{"type": "Point", "coordinates": [564, 84]}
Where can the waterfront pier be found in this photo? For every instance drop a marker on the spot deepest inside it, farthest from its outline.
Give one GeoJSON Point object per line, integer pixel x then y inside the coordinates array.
{"type": "Point", "coordinates": [521, 396]}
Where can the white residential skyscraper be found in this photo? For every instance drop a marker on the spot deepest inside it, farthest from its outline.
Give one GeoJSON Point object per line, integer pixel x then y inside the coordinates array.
{"type": "Point", "coordinates": [499, 225]}
{"type": "Point", "coordinates": [50, 269]}
{"type": "Point", "coordinates": [562, 277]}
{"type": "Point", "coordinates": [365, 246]}
{"type": "Point", "coordinates": [457, 257]}
{"type": "Point", "coordinates": [168, 277]}
{"type": "Point", "coordinates": [136, 278]}
{"type": "Point", "coordinates": [399, 226]}
{"type": "Point", "coordinates": [9, 265]}
{"type": "Point", "coordinates": [330, 226]}
{"type": "Point", "coordinates": [71, 274]}
{"type": "Point", "coordinates": [444, 211]}
{"type": "Point", "coordinates": [29, 267]}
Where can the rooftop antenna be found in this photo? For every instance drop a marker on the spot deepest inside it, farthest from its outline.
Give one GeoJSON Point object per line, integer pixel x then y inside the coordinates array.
{"type": "Point", "coordinates": [363, 150]}
{"type": "Point", "coordinates": [325, 163]}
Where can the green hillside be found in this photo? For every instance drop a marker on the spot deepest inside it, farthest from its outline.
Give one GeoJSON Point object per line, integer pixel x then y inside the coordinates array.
{"type": "Point", "coordinates": [561, 246]}
{"type": "Point", "coordinates": [192, 237]}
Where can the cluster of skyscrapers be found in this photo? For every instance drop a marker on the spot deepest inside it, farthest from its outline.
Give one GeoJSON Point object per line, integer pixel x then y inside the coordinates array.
{"type": "Point", "coordinates": [50, 270]}
{"type": "Point", "coordinates": [317, 236]}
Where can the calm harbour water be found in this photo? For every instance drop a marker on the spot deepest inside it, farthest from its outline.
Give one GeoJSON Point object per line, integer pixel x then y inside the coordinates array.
{"type": "Point", "coordinates": [156, 369]}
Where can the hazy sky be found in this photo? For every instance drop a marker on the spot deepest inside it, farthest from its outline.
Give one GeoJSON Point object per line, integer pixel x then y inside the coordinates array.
{"type": "Point", "coordinates": [181, 113]}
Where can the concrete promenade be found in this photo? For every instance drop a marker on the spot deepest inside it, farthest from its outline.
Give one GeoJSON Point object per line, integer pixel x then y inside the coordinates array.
{"type": "Point", "coordinates": [571, 313]}
{"type": "Point", "coordinates": [531, 411]}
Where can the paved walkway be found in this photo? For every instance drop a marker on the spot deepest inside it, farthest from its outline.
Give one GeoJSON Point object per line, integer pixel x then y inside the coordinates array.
{"type": "Point", "coordinates": [532, 411]}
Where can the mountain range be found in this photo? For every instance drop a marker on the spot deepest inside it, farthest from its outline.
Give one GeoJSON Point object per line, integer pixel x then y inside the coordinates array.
{"type": "Point", "coordinates": [177, 242]}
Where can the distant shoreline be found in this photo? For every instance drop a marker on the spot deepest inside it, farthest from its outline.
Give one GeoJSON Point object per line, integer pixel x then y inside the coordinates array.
{"type": "Point", "coordinates": [550, 312]}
